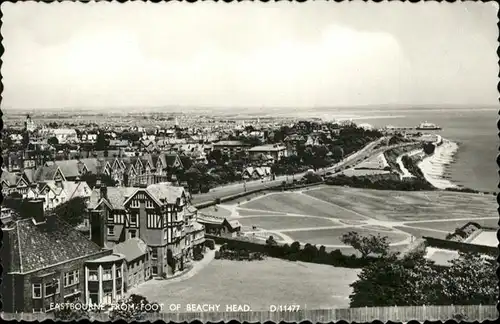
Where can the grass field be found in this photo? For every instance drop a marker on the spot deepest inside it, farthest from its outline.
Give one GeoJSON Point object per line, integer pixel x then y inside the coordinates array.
{"type": "Point", "coordinates": [248, 212]}
{"type": "Point", "coordinates": [332, 236]}
{"type": "Point", "coordinates": [297, 203]}
{"type": "Point", "coordinates": [450, 226]}
{"type": "Point", "coordinates": [418, 232]}
{"type": "Point", "coordinates": [409, 205]}
{"type": "Point", "coordinates": [279, 222]}
{"type": "Point", "coordinates": [258, 284]}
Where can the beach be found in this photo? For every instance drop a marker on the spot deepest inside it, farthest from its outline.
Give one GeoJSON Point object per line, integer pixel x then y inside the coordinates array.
{"type": "Point", "coordinates": [434, 167]}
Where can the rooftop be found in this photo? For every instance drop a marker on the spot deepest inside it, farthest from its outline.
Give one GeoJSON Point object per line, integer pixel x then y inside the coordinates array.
{"type": "Point", "coordinates": [39, 246]}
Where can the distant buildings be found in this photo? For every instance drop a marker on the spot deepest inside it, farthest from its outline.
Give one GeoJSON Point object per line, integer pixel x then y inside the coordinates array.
{"type": "Point", "coordinates": [231, 147]}
{"type": "Point", "coordinates": [273, 151]}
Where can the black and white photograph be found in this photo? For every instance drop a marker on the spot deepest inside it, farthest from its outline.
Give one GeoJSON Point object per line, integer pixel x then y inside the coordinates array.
{"type": "Point", "coordinates": [250, 161]}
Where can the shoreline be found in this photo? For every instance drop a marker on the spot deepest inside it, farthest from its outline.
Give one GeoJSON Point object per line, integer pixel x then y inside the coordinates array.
{"type": "Point", "coordinates": [436, 166]}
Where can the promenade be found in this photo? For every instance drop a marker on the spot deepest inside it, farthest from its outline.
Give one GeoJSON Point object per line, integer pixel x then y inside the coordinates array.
{"type": "Point", "coordinates": [236, 188]}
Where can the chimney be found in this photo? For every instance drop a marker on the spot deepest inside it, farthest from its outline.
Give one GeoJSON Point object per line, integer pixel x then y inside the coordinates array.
{"type": "Point", "coordinates": [104, 192]}
{"type": "Point", "coordinates": [35, 208]}
{"type": "Point", "coordinates": [97, 233]}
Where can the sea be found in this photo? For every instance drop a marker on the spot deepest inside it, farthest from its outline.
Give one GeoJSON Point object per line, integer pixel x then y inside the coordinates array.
{"type": "Point", "coordinates": [474, 130]}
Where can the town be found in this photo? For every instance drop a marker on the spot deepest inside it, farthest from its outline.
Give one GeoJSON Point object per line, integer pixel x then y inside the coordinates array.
{"type": "Point", "coordinates": [96, 213]}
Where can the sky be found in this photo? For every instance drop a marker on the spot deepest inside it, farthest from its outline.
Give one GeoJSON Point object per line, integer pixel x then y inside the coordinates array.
{"type": "Point", "coordinates": [112, 55]}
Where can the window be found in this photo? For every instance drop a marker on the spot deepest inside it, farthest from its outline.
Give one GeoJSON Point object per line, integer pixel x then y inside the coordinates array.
{"type": "Point", "coordinates": [118, 273]}
{"type": "Point", "coordinates": [71, 278]}
{"type": "Point", "coordinates": [133, 219]}
{"type": "Point", "coordinates": [107, 298]}
{"type": "Point", "coordinates": [154, 253]}
{"type": "Point", "coordinates": [165, 235]}
{"type": "Point", "coordinates": [134, 203]}
{"type": "Point", "coordinates": [93, 275]}
{"type": "Point", "coordinates": [37, 291]}
{"type": "Point", "coordinates": [94, 298]}
{"type": "Point", "coordinates": [119, 219]}
{"type": "Point", "coordinates": [133, 233]}
{"type": "Point", "coordinates": [52, 288]}
{"type": "Point", "coordinates": [149, 204]}
{"type": "Point", "coordinates": [153, 221]}
{"type": "Point", "coordinates": [111, 230]}
{"type": "Point", "coordinates": [154, 270]}
{"type": "Point", "coordinates": [106, 274]}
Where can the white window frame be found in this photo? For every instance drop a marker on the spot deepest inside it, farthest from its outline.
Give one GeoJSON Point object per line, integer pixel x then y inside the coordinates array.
{"type": "Point", "coordinates": [149, 203]}
{"type": "Point", "coordinates": [33, 286]}
{"type": "Point", "coordinates": [118, 272]}
{"type": "Point", "coordinates": [154, 253]}
{"type": "Point", "coordinates": [132, 231]}
{"type": "Point", "coordinates": [136, 218]}
{"type": "Point", "coordinates": [76, 278]}
{"type": "Point", "coordinates": [111, 230]}
{"type": "Point", "coordinates": [107, 274]}
{"type": "Point", "coordinates": [96, 275]}
{"type": "Point", "coordinates": [50, 284]}
{"type": "Point", "coordinates": [135, 203]}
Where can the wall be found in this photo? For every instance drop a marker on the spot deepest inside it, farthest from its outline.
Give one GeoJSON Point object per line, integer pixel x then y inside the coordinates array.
{"type": "Point", "coordinates": [460, 246]}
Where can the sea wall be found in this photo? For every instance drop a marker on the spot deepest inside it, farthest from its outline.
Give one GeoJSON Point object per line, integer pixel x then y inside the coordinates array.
{"type": "Point", "coordinates": [460, 246]}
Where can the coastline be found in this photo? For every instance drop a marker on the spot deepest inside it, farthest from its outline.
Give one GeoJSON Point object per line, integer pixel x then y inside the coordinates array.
{"type": "Point", "coordinates": [435, 166]}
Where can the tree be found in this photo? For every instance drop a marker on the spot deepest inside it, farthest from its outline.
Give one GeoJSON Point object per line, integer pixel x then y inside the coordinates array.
{"type": "Point", "coordinates": [271, 241]}
{"type": "Point", "coordinates": [101, 142]}
{"type": "Point", "coordinates": [53, 141]}
{"type": "Point", "coordinates": [337, 152]}
{"type": "Point", "coordinates": [367, 244]}
{"type": "Point", "coordinates": [392, 281]}
{"type": "Point", "coordinates": [72, 211]}
{"type": "Point", "coordinates": [470, 280]}
{"type": "Point", "coordinates": [193, 177]}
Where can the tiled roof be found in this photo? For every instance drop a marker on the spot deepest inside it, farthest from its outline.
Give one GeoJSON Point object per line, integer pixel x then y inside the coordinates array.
{"type": "Point", "coordinates": [132, 248]}
{"type": "Point", "coordinates": [45, 172]}
{"type": "Point", "coordinates": [30, 175]}
{"type": "Point", "coordinates": [48, 244]}
{"type": "Point", "coordinates": [9, 177]}
{"type": "Point", "coordinates": [230, 143]}
{"type": "Point", "coordinates": [70, 168]}
{"type": "Point", "coordinates": [165, 190]}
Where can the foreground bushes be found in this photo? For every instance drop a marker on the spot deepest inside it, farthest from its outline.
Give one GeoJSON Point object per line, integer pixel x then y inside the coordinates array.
{"type": "Point", "coordinates": [294, 252]}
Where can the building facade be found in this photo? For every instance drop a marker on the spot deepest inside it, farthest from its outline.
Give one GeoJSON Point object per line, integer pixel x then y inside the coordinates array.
{"type": "Point", "coordinates": [157, 214]}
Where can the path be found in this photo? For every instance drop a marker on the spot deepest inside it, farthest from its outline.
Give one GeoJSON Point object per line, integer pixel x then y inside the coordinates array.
{"type": "Point", "coordinates": [154, 284]}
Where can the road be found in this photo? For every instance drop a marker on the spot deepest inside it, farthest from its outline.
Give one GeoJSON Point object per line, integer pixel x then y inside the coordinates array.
{"type": "Point", "coordinates": [236, 188]}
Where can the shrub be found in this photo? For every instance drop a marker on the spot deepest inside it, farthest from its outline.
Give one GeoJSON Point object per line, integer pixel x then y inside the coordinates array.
{"type": "Point", "coordinates": [210, 244]}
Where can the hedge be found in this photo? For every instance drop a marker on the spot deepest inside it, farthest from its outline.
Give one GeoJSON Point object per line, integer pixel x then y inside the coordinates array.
{"type": "Point", "coordinates": [309, 253]}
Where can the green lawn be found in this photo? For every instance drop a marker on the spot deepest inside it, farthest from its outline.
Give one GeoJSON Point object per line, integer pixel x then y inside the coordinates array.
{"type": "Point", "coordinates": [272, 222]}
{"type": "Point", "coordinates": [218, 211]}
{"type": "Point", "coordinates": [450, 226]}
{"type": "Point", "coordinates": [418, 232]}
{"type": "Point", "coordinates": [248, 212]}
{"type": "Point", "coordinates": [332, 236]}
{"type": "Point", "coordinates": [409, 205]}
{"type": "Point", "coordinates": [297, 203]}
{"type": "Point", "coordinates": [258, 284]}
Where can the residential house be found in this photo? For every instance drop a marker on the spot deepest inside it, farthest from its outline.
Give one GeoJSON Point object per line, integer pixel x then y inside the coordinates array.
{"type": "Point", "coordinates": [138, 257]}
{"type": "Point", "coordinates": [219, 226]}
{"type": "Point", "coordinates": [157, 214]}
{"type": "Point", "coordinates": [275, 151]}
{"type": "Point", "coordinates": [231, 147]}
{"type": "Point", "coordinates": [45, 260]}
{"type": "Point", "coordinates": [56, 192]}
{"type": "Point", "coordinates": [256, 172]}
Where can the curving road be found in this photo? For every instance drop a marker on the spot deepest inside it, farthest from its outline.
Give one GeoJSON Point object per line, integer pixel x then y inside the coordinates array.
{"type": "Point", "coordinates": [235, 188]}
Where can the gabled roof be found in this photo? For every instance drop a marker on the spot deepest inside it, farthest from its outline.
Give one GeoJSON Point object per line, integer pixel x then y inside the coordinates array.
{"type": "Point", "coordinates": [40, 246]}
{"type": "Point", "coordinates": [9, 177]}
{"type": "Point", "coordinates": [132, 248]}
{"type": "Point", "coordinates": [116, 197]}
{"type": "Point", "coordinates": [165, 190]}
{"type": "Point", "coordinates": [45, 172]}
{"type": "Point", "coordinates": [171, 158]}
{"type": "Point", "coordinates": [69, 168]}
